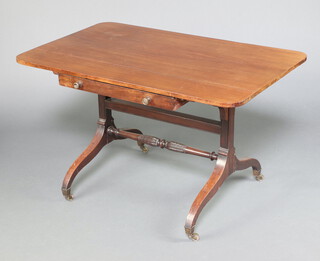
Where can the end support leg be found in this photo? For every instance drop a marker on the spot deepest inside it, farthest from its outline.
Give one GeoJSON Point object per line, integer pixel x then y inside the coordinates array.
{"type": "Point", "coordinates": [227, 163]}
{"type": "Point", "coordinates": [224, 167]}
{"type": "Point", "coordinates": [220, 173]}
{"type": "Point", "coordinates": [98, 142]}
{"type": "Point", "coordinates": [100, 139]}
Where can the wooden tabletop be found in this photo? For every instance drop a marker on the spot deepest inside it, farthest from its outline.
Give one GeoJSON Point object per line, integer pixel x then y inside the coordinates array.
{"type": "Point", "coordinates": [211, 71]}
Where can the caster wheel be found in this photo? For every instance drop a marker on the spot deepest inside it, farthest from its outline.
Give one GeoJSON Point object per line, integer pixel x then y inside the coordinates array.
{"type": "Point", "coordinates": [191, 235]}
{"type": "Point", "coordinates": [69, 197]}
{"type": "Point", "coordinates": [67, 194]}
{"type": "Point", "coordinates": [257, 174]}
{"type": "Point", "coordinates": [194, 237]}
{"type": "Point", "coordinates": [259, 177]}
{"type": "Point", "coordinates": [144, 148]}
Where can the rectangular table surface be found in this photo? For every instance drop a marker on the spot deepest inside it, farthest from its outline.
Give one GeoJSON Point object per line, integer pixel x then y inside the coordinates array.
{"type": "Point", "coordinates": [200, 69]}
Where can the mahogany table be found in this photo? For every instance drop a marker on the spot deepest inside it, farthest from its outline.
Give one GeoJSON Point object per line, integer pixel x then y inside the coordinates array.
{"type": "Point", "coordinates": [152, 73]}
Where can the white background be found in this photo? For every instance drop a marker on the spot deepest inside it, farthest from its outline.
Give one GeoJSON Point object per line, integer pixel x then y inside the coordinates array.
{"type": "Point", "coordinates": [130, 206]}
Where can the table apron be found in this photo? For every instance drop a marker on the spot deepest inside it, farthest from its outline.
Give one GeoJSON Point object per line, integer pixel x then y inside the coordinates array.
{"type": "Point", "coordinates": [178, 118]}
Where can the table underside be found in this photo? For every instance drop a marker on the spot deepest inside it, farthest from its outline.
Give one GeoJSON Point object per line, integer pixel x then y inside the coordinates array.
{"type": "Point", "coordinates": [226, 160]}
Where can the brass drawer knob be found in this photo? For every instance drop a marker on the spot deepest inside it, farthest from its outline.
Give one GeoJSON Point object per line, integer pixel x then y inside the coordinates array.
{"type": "Point", "coordinates": [146, 100]}
{"type": "Point", "coordinates": [77, 85]}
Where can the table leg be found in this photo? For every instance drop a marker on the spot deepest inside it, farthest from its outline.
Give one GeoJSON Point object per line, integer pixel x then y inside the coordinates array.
{"type": "Point", "coordinates": [226, 164]}
{"type": "Point", "coordinates": [100, 139]}
{"type": "Point", "coordinates": [220, 173]}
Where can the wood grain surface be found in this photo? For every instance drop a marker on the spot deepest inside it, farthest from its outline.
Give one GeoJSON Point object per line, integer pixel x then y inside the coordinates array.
{"type": "Point", "coordinates": [210, 71]}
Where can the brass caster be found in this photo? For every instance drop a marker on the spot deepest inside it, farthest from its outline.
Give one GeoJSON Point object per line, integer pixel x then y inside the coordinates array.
{"type": "Point", "coordinates": [67, 194]}
{"type": "Point", "coordinates": [144, 148]}
{"type": "Point", "coordinates": [194, 237]}
{"type": "Point", "coordinates": [69, 197]}
{"type": "Point", "coordinates": [258, 175]}
{"type": "Point", "coordinates": [191, 235]}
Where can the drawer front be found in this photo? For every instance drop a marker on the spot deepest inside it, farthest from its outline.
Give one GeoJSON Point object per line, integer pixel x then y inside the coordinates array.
{"type": "Point", "coordinates": [122, 93]}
